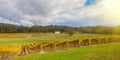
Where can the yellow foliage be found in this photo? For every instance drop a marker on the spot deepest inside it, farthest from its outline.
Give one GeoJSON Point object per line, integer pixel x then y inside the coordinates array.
{"type": "Point", "coordinates": [3, 35]}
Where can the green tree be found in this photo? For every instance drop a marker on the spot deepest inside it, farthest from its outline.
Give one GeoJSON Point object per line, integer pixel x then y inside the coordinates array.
{"type": "Point", "coordinates": [70, 31]}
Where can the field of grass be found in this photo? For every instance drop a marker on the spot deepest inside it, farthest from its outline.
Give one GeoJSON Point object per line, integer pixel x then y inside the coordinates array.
{"type": "Point", "coordinates": [19, 38]}
{"type": "Point", "coordinates": [100, 52]}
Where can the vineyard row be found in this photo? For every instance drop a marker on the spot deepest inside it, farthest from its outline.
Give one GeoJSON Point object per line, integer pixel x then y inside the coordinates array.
{"type": "Point", "coordinates": [10, 51]}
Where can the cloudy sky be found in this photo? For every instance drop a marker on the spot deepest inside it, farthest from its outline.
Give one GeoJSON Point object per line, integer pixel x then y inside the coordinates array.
{"type": "Point", "coordinates": [60, 12]}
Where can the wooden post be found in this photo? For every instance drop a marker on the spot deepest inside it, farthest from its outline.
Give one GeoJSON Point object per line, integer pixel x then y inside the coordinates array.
{"type": "Point", "coordinates": [89, 40]}
{"type": "Point", "coordinates": [79, 43]}
{"type": "Point", "coordinates": [26, 50]}
{"type": "Point", "coordinates": [98, 40]}
{"type": "Point", "coordinates": [41, 50]}
{"type": "Point", "coordinates": [55, 46]}
{"type": "Point", "coordinates": [67, 44]}
{"type": "Point", "coordinates": [22, 51]}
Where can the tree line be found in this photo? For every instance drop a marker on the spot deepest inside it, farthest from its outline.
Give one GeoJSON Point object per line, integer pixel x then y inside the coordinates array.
{"type": "Point", "coordinates": [62, 29]}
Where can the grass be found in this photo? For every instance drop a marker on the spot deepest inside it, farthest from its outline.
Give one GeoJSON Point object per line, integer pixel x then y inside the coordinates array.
{"type": "Point", "coordinates": [99, 52]}
{"type": "Point", "coordinates": [20, 38]}
{"type": "Point", "coordinates": [19, 41]}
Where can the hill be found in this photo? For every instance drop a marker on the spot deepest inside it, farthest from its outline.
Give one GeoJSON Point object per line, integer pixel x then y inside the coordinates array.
{"type": "Point", "coordinates": [3, 24]}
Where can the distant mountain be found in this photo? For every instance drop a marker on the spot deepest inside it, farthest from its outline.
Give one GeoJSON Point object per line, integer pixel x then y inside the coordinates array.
{"type": "Point", "coordinates": [2, 24]}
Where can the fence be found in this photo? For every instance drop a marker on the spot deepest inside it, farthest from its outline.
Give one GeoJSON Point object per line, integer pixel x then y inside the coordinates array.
{"type": "Point", "coordinates": [34, 48]}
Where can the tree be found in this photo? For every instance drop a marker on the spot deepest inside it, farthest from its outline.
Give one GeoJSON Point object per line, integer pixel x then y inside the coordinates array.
{"type": "Point", "coordinates": [23, 29]}
{"type": "Point", "coordinates": [70, 31]}
{"type": "Point", "coordinates": [36, 29]}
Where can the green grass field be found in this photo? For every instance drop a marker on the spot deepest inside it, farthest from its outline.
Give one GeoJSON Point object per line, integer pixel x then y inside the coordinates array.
{"type": "Point", "coordinates": [19, 38]}
{"type": "Point", "coordinates": [99, 52]}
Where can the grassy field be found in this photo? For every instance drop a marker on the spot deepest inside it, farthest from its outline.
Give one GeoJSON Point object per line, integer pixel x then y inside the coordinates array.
{"type": "Point", "coordinates": [19, 38]}
{"type": "Point", "coordinates": [100, 52]}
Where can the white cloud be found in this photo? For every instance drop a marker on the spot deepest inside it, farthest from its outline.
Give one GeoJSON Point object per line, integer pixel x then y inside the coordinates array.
{"type": "Point", "coordinates": [98, 14]}
{"type": "Point", "coordinates": [45, 12]}
{"type": "Point", "coordinates": [35, 11]}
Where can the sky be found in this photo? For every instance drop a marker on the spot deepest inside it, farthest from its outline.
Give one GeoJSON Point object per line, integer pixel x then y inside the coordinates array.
{"type": "Point", "coordinates": [60, 12]}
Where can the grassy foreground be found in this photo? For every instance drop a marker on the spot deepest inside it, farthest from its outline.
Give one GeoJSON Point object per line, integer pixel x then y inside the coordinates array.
{"type": "Point", "coordinates": [100, 52]}
{"type": "Point", "coordinates": [21, 38]}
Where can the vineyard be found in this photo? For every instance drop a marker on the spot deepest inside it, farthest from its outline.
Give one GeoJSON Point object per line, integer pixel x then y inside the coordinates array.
{"type": "Point", "coordinates": [7, 52]}
{"type": "Point", "coordinates": [3, 35]}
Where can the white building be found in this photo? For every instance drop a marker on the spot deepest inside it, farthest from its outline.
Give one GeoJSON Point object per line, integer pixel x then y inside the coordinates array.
{"type": "Point", "coordinates": [57, 32]}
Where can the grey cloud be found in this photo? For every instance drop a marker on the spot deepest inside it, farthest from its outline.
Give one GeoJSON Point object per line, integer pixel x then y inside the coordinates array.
{"type": "Point", "coordinates": [46, 12]}
{"type": "Point", "coordinates": [29, 12]}
{"type": "Point", "coordinates": [45, 7]}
